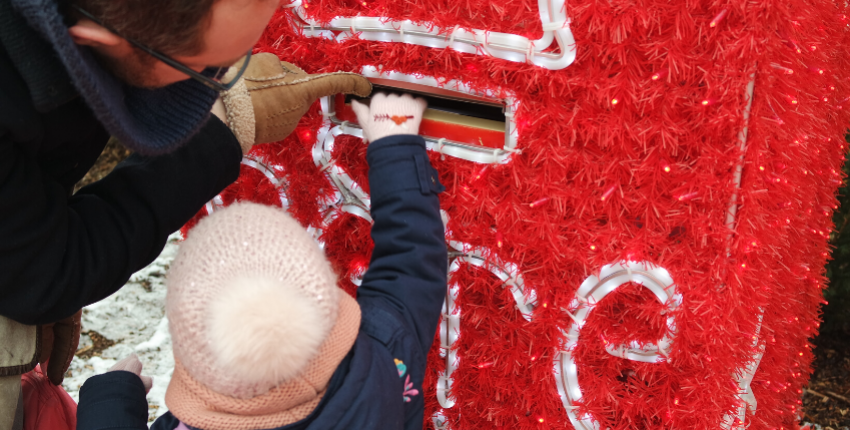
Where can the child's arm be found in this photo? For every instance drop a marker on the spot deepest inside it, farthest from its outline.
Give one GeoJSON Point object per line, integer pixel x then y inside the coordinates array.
{"type": "Point", "coordinates": [115, 399]}
{"type": "Point", "coordinates": [409, 262]}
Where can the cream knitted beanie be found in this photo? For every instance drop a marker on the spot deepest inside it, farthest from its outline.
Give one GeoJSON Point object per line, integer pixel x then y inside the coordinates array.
{"type": "Point", "coordinates": [250, 300]}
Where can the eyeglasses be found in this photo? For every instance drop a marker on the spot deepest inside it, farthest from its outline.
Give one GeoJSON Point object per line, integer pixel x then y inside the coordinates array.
{"type": "Point", "coordinates": [217, 72]}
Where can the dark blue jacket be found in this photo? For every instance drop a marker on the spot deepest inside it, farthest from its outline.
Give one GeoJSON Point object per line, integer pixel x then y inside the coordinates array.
{"type": "Point", "coordinates": [400, 298]}
{"type": "Point", "coordinates": [60, 252]}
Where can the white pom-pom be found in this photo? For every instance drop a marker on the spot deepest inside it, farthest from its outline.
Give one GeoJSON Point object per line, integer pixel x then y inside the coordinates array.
{"type": "Point", "coordinates": [264, 331]}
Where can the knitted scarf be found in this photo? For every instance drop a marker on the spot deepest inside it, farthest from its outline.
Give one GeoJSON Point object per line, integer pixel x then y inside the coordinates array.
{"type": "Point", "coordinates": [148, 121]}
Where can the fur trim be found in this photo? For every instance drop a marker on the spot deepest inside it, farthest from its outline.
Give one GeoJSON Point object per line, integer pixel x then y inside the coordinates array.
{"type": "Point", "coordinates": [264, 330]}
{"type": "Point", "coordinates": [240, 114]}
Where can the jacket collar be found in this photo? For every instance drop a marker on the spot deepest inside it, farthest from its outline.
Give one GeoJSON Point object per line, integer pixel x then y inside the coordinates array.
{"type": "Point", "coordinates": [48, 82]}
{"type": "Point", "coordinates": [150, 122]}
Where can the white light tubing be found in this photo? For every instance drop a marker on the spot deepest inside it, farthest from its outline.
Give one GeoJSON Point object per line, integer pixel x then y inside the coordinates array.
{"type": "Point", "coordinates": [511, 47]}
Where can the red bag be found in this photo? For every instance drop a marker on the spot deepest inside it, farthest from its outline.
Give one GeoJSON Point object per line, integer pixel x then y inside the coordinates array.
{"type": "Point", "coordinates": [46, 406]}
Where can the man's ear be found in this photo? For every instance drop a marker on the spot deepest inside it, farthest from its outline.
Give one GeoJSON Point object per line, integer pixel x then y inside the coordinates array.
{"type": "Point", "coordinates": [87, 32]}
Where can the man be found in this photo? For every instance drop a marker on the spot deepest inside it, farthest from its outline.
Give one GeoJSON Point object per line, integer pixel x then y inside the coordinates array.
{"type": "Point", "coordinates": [74, 72]}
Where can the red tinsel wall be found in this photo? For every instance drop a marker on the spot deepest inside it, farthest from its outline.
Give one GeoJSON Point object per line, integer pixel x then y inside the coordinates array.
{"type": "Point", "coordinates": [631, 153]}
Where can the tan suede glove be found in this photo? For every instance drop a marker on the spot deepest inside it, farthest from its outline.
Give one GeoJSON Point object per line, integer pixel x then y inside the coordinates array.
{"type": "Point", "coordinates": [272, 96]}
{"type": "Point", "coordinates": [59, 342]}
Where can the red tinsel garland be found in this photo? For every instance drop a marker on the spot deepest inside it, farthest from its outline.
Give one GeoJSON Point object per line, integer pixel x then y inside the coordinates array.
{"type": "Point", "coordinates": [630, 153]}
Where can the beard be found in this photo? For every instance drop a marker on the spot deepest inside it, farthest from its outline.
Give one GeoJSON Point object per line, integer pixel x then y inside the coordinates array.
{"type": "Point", "coordinates": [135, 70]}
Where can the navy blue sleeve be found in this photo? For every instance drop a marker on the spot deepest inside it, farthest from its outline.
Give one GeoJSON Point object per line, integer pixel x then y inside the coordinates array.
{"type": "Point", "coordinates": [166, 421]}
{"type": "Point", "coordinates": [59, 253]}
{"type": "Point", "coordinates": [409, 262]}
{"type": "Point", "coordinates": [113, 400]}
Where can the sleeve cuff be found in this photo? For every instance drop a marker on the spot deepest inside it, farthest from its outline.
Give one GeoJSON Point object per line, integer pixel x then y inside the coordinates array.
{"type": "Point", "coordinates": [112, 400]}
{"type": "Point", "coordinates": [400, 163]}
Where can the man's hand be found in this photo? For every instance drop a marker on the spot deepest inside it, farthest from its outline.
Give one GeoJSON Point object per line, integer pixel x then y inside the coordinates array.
{"type": "Point", "coordinates": [132, 364]}
{"type": "Point", "coordinates": [272, 96]}
{"type": "Point", "coordinates": [388, 115]}
{"type": "Point", "coordinates": [58, 344]}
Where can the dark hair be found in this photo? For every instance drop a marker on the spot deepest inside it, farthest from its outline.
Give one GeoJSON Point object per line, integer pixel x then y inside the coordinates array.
{"type": "Point", "coordinates": [173, 27]}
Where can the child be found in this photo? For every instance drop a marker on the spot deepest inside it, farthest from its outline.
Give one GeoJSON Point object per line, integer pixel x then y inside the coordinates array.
{"type": "Point", "coordinates": [264, 339]}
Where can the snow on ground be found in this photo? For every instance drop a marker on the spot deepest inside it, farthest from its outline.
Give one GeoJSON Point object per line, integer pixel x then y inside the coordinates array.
{"type": "Point", "coordinates": [819, 427]}
{"type": "Point", "coordinates": [134, 319]}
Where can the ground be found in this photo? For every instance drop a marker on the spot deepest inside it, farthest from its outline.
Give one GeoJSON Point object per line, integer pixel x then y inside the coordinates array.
{"type": "Point", "coordinates": [827, 399]}
{"type": "Point", "coordinates": [133, 321]}
{"type": "Point", "coordinates": [129, 321]}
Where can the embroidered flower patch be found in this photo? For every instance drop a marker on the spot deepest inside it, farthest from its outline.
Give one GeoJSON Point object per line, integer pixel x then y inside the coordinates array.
{"type": "Point", "coordinates": [409, 391]}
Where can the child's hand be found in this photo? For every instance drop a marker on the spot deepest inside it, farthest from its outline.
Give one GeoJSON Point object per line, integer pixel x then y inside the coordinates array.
{"type": "Point", "coordinates": [133, 365]}
{"type": "Point", "coordinates": [389, 115]}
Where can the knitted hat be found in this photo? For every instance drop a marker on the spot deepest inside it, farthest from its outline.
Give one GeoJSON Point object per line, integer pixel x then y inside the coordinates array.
{"type": "Point", "coordinates": [257, 321]}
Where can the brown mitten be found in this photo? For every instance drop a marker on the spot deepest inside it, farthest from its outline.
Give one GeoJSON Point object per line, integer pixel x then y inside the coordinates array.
{"type": "Point", "coordinates": [272, 96]}
{"type": "Point", "coordinates": [59, 342]}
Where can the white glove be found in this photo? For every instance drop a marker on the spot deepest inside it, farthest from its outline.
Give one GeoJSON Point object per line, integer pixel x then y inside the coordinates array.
{"type": "Point", "coordinates": [132, 364]}
{"type": "Point", "coordinates": [389, 115]}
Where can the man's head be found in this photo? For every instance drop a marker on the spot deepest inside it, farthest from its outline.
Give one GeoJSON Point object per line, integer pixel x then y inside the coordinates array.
{"type": "Point", "coordinates": [197, 33]}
